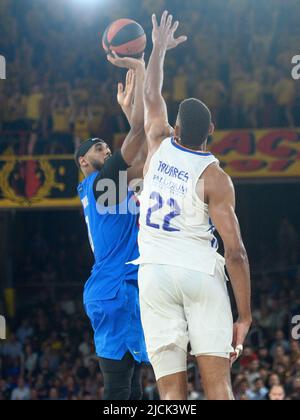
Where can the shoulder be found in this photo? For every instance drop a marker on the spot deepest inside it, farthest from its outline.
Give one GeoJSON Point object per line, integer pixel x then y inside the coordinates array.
{"type": "Point", "coordinates": [89, 180]}
{"type": "Point", "coordinates": [154, 151]}
{"type": "Point", "coordinates": [156, 131]}
{"type": "Point", "coordinates": [217, 182]}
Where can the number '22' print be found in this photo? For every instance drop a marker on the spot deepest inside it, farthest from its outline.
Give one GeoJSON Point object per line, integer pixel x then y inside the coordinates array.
{"type": "Point", "coordinates": [176, 211]}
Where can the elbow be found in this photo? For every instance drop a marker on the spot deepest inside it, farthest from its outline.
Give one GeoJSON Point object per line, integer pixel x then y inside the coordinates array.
{"type": "Point", "coordinates": [137, 129]}
{"type": "Point", "coordinates": [137, 126]}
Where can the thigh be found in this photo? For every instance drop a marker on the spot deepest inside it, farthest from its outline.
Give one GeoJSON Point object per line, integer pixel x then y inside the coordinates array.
{"type": "Point", "coordinates": [106, 313]}
{"type": "Point", "coordinates": [162, 313]}
{"type": "Point", "coordinates": [168, 362]}
{"type": "Point", "coordinates": [110, 319]}
{"type": "Point", "coordinates": [208, 312]}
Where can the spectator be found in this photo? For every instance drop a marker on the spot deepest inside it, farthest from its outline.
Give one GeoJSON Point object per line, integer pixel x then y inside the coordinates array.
{"type": "Point", "coordinates": [12, 347]}
{"type": "Point", "coordinates": [53, 394]}
{"type": "Point", "coordinates": [30, 359]}
{"type": "Point", "coordinates": [295, 392]}
{"type": "Point", "coordinates": [280, 341]}
{"type": "Point", "coordinates": [259, 391]}
{"type": "Point", "coordinates": [22, 392]}
{"type": "Point", "coordinates": [277, 393]}
{"type": "Point", "coordinates": [24, 331]}
{"type": "Point", "coordinates": [284, 95]}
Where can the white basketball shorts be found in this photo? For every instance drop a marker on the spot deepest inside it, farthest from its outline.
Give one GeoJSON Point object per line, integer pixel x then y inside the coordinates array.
{"type": "Point", "coordinates": [180, 306]}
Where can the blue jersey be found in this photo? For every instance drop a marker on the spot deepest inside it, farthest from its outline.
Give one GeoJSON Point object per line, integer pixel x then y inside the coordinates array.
{"type": "Point", "coordinates": [113, 239]}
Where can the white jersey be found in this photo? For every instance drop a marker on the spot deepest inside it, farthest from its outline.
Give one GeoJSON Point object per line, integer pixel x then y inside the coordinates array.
{"type": "Point", "coordinates": [175, 227]}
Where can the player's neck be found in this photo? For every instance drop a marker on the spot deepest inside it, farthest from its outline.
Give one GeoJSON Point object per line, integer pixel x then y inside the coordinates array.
{"type": "Point", "coordinates": [202, 148]}
{"type": "Point", "coordinates": [88, 172]}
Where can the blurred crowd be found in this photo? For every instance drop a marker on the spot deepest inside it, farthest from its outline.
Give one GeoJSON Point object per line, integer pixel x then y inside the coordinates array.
{"type": "Point", "coordinates": [50, 354]}
{"type": "Point", "coordinates": [60, 88]}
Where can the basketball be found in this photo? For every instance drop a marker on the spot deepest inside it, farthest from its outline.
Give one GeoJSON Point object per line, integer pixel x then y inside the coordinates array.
{"type": "Point", "coordinates": [125, 37]}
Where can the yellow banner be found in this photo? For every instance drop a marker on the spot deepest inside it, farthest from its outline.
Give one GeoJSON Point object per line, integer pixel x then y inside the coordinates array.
{"type": "Point", "coordinates": [51, 181]}
{"type": "Point", "coordinates": [247, 154]}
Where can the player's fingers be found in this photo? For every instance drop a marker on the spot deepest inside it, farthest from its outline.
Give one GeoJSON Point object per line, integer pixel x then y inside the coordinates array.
{"type": "Point", "coordinates": [132, 78]}
{"type": "Point", "coordinates": [169, 22]}
{"type": "Point", "coordinates": [132, 82]}
{"type": "Point", "coordinates": [164, 18]}
{"type": "Point", "coordinates": [239, 350]}
{"type": "Point", "coordinates": [154, 22]}
{"type": "Point", "coordinates": [120, 88]}
{"type": "Point", "coordinates": [181, 39]}
{"type": "Point", "coordinates": [128, 77]}
{"type": "Point", "coordinates": [175, 27]}
{"type": "Point", "coordinates": [115, 54]}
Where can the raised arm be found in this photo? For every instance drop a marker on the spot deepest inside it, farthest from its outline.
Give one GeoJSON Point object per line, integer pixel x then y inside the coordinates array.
{"type": "Point", "coordinates": [157, 126]}
{"type": "Point", "coordinates": [136, 136]}
{"type": "Point", "coordinates": [220, 195]}
{"type": "Point", "coordinates": [126, 95]}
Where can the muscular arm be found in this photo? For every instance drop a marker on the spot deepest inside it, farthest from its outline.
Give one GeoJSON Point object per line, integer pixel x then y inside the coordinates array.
{"type": "Point", "coordinates": [157, 126]}
{"type": "Point", "coordinates": [220, 195]}
{"type": "Point", "coordinates": [130, 158]}
{"type": "Point", "coordinates": [156, 114]}
{"type": "Point", "coordinates": [136, 136]}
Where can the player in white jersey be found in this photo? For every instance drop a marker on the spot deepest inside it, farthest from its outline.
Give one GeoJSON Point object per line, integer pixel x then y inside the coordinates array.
{"type": "Point", "coordinates": [183, 292]}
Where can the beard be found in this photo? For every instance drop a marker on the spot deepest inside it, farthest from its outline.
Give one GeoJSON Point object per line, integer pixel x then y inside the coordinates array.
{"type": "Point", "coordinates": [97, 165]}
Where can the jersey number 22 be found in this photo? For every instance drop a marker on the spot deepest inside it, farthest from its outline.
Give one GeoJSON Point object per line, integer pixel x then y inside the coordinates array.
{"type": "Point", "coordinates": [176, 211]}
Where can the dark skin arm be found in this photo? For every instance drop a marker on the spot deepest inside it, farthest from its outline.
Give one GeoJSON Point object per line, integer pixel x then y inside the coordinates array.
{"type": "Point", "coordinates": [220, 196]}
{"type": "Point", "coordinates": [136, 136]}
{"type": "Point", "coordinates": [134, 148]}
{"type": "Point", "coordinates": [157, 126]}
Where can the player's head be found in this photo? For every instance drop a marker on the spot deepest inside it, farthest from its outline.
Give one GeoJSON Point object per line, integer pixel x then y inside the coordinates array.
{"type": "Point", "coordinates": [193, 125]}
{"type": "Point", "coordinates": [91, 155]}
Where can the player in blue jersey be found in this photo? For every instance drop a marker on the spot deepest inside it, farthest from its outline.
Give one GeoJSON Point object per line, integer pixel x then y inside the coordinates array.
{"type": "Point", "coordinates": [111, 298]}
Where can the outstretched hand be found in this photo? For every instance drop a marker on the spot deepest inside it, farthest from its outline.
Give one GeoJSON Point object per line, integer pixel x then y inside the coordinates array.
{"type": "Point", "coordinates": [126, 62]}
{"type": "Point", "coordinates": [126, 95]}
{"type": "Point", "coordinates": [164, 34]}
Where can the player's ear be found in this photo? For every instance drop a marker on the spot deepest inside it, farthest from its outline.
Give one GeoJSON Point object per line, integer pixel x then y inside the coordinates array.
{"type": "Point", "coordinates": [211, 129]}
{"type": "Point", "coordinates": [177, 132]}
{"type": "Point", "coordinates": [83, 162]}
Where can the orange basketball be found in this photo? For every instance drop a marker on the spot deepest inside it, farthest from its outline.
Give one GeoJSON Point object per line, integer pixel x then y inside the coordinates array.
{"type": "Point", "coordinates": [126, 37]}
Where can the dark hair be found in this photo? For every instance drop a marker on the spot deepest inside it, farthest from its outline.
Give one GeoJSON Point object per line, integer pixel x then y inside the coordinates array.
{"type": "Point", "coordinates": [194, 122]}
{"type": "Point", "coordinates": [84, 148]}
